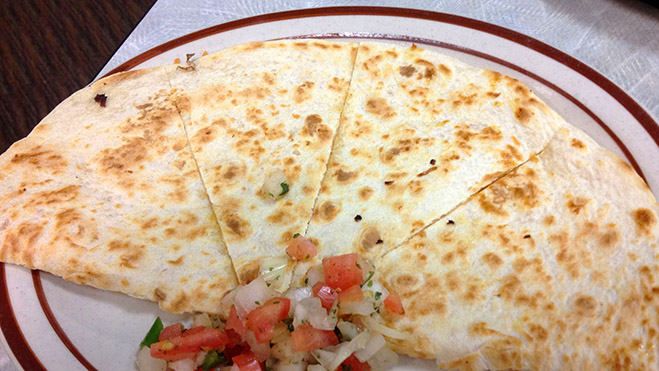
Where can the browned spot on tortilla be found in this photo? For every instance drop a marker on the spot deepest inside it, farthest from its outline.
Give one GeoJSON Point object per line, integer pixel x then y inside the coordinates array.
{"type": "Point", "coordinates": [117, 161]}
{"type": "Point", "coordinates": [492, 260]}
{"type": "Point", "coordinates": [149, 223]}
{"type": "Point", "coordinates": [585, 305]}
{"type": "Point", "coordinates": [365, 193]}
{"type": "Point", "coordinates": [380, 108]}
{"type": "Point", "coordinates": [345, 176]}
{"type": "Point", "coordinates": [327, 211]}
{"type": "Point", "coordinates": [180, 302]}
{"type": "Point", "coordinates": [523, 115]}
{"type": "Point", "coordinates": [205, 135]}
{"type": "Point", "coordinates": [20, 244]}
{"type": "Point", "coordinates": [427, 171]}
{"type": "Point", "coordinates": [303, 92]}
{"type": "Point", "coordinates": [159, 294]}
{"type": "Point", "coordinates": [233, 172]}
{"type": "Point", "coordinates": [548, 220]}
{"type": "Point", "coordinates": [281, 216]}
{"type": "Point", "coordinates": [314, 127]}
{"type": "Point", "coordinates": [407, 71]}
{"type": "Point", "coordinates": [537, 332]}
{"type": "Point", "coordinates": [176, 262]}
{"type": "Point", "coordinates": [576, 143]}
{"type": "Point", "coordinates": [576, 204]}
{"type": "Point", "coordinates": [490, 207]}
{"type": "Point", "coordinates": [611, 237]}
{"type": "Point", "coordinates": [405, 282]}
{"type": "Point", "coordinates": [445, 70]}
{"type": "Point", "coordinates": [249, 272]}
{"type": "Point", "coordinates": [369, 238]}
{"type": "Point", "coordinates": [268, 78]}
{"type": "Point", "coordinates": [645, 220]}
{"type": "Point", "coordinates": [40, 159]}
{"type": "Point", "coordinates": [253, 45]}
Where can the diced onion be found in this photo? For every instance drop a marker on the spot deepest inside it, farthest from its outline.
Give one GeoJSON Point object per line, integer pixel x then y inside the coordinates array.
{"type": "Point", "coordinates": [183, 365]}
{"type": "Point", "coordinates": [252, 295]}
{"type": "Point", "coordinates": [201, 319]}
{"type": "Point", "coordinates": [315, 368]}
{"type": "Point", "coordinates": [315, 275]}
{"type": "Point", "coordinates": [311, 310]}
{"type": "Point", "coordinates": [375, 343]}
{"type": "Point", "coordinates": [384, 330]}
{"type": "Point", "coordinates": [273, 266]}
{"type": "Point", "coordinates": [272, 186]}
{"type": "Point", "coordinates": [296, 295]}
{"type": "Point", "coordinates": [260, 350]}
{"type": "Point", "coordinates": [364, 308]}
{"type": "Point", "coordinates": [200, 359]}
{"type": "Point", "coordinates": [344, 350]}
{"type": "Point", "coordinates": [290, 366]}
{"type": "Point", "coordinates": [348, 329]}
{"type": "Point", "coordinates": [147, 363]}
{"type": "Point", "coordinates": [384, 359]}
{"type": "Point", "coordinates": [324, 357]}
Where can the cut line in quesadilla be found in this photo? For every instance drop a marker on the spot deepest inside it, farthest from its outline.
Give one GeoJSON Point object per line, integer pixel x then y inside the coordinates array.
{"type": "Point", "coordinates": [104, 192]}
{"type": "Point", "coordinates": [261, 119]}
{"type": "Point", "coordinates": [421, 133]}
{"type": "Point", "coordinates": [553, 266]}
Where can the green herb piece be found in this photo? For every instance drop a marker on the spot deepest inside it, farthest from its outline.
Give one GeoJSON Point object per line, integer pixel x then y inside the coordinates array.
{"type": "Point", "coordinates": [257, 302]}
{"type": "Point", "coordinates": [152, 336]}
{"type": "Point", "coordinates": [370, 284]}
{"type": "Point", "coordinates": [368, 279]}
{"type": "Point", "coordinates": [296, 235]}
{"type": "Point", "coordinates": [306, 280]}
{"type": "Point", "coordinates": [284, 189]}
{"type": "Point", "coordinates": [378, 295]}
{"type": "Point", "coordinates": [212, 360]}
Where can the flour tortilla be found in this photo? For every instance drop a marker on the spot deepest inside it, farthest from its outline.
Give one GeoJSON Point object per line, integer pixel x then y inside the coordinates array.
{"type": "Point", "coordinates": [256, 109]}
{"type": "Point", "coordinates": [551, 267]}
{"type": "Point", "coordinates": [421, 132]}
{"type": "Point", "coordinates": [110, 197]}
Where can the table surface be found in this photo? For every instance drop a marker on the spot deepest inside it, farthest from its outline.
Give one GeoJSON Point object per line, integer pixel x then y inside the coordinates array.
{"type": "Point", "coordinates": [617, 38]}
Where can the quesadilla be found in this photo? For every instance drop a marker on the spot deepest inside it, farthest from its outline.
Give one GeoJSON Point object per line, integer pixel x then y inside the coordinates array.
{"type": "Point", "coordinates": [105, 192]}
{"type": "Point", "coordinates": [421, 132]}
{"type": "Point", "coordinates": [553, 266]}
{"type": "Point", "coordinates": [263, 113]}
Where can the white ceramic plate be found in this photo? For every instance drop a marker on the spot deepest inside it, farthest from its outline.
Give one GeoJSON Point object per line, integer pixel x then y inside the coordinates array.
{"type": "Point", "coordinates": [53, 324]}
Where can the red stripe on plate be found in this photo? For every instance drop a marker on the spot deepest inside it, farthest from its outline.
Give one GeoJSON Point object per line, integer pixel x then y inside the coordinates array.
{"type": "Point", "coordinates": [643, 117]}
{"type": "Point", "coordinates": [12, 331]}
{"type": "Point", "coordinates": [43, 301]}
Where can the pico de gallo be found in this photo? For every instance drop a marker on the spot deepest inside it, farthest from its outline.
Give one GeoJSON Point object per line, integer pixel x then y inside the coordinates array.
{"type": "Point", "coordinates": [333, 322]}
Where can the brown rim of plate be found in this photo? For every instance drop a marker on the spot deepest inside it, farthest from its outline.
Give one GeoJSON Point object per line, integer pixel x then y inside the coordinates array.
{"type": "Point", "coordinates": [12, 331]}
{"type": "Point", "coordinates": [50, 316]}
{"type": "Point", "coordinates": [8, 323]}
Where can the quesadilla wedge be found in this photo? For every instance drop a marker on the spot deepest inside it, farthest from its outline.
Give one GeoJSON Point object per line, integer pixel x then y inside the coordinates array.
{"type": "Point", "coordinates": [553, 266]}
{"type": "Point", "coordinates": [105, 192]}
{"type": "Point", "coordinates": [421, 132]}
{"type": "Point", "coordinates": [261, 118]}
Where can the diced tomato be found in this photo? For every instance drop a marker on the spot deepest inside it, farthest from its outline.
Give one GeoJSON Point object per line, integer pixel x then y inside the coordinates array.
{"type": "Point", "coordinates": [301, 249]}
{"type": "Point", "coordinates": [171, 332]}
{"type": "Point", "coordinates": [393, 303]}
{"type": "Point", "coordinates": [305, 338]}
{"type": "Point", "coordinates": [235, 327]}
{"type": "Point", "coordinates": [351, 294]}
{"type": "Point", "coordinates": [326, 295]}
{"type": "Point", "coordinates": [342, 271]}
{"type": "Point", "coordinates": [352, 363]}
{"type": "Point", "coordinates": [192, 331]}
{"type": "Point", "coordinates": [232, 350]}
{"type": "Point", "coordinates": [262, 319]}
{"type": "Point", "coordinates": [208, 338]}
{"type": "Point", "coordinates": [247, 362]}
